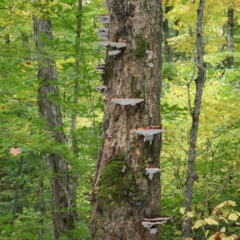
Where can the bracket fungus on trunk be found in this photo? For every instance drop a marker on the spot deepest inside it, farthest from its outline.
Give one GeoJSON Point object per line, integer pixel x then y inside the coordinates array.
{"type": "Point", "coordinates": [152, 223]}
{"type": "Point", "coordinates": [151, 171]}
{"type": "Point", "coordinates": [118, 45]}
{"type": "Point", "coordinates": [149, 132]}
{"type": "Point", "coordinates": [103, 43]}
{"type": "Point", "coordinates": [104, 18]}
{"type": "Point", "coordinates": [114, 52]}
{"type": "Point", "coordinates": [101, 88]}
{"type": "Point", "coordinates": [124, 102]}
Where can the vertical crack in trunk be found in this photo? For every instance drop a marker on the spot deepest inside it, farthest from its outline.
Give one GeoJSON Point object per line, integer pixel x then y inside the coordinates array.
{"type": "Point", "coordinates": [61, 199]}
{"type": "Point", "coordinates": [199, 82]}
{"type": "Point", "coordinates": [122, 192]}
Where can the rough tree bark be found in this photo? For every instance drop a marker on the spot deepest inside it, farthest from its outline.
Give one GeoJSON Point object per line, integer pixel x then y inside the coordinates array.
{"type": "Point", "coordinates": [61, 199]}
{"type": "Point", "coordinates": [122, 193]}
{"type": "Point", "coordinates": [199, 83]}
{"type": "Point", "coordinates": [230, 33]}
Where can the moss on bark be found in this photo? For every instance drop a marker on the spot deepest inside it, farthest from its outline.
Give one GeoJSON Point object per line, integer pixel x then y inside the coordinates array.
{"type": "Point", "coordinates": [141, 46]}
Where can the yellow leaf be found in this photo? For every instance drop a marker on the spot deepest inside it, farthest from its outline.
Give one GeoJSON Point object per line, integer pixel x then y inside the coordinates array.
{"type": "Point", "coordinates": [233, 216]}
{"type": "Point", "coordinates": [211, 221]}
{"type": "Point", "coordinates": [228, 238]}
{"type": "Point", "coordinates": [182, 210]}
{"type": "Point", "coordinates": [224, 204]}
{"type": "Point", "coordinates": [198, 224]}
{"type": "Point", "coordinates": [190, 214]}
{"type": "Point", "coordinates": [223, 229]}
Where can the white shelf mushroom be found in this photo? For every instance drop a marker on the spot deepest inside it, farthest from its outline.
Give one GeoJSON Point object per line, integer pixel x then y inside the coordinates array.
{"type": "Point", "coordinates": [118, 45]}
{"type": "Point", "coordinates": [148, 133]}
{"type": "Point", "coordinates": [162, 218]}
{"type": "Point", "coordinates": [153, 230]}
{"type": "Point", "coordinates": [151, 171]}
{"type": "Point", "coordinates": [113, 52]}
{"type": "Point", "coordinates": [124, 102]}
{"type": "Point", "coordinates": [105, 19]}
{"type": "Point", "coordinates": [101, 88]}
{"type": "Point", "coordinates": [103, 43]}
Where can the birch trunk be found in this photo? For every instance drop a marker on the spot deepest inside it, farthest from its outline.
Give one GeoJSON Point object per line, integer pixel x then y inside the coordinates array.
{"type": "Point", "coordinates": [122, 192]}
{"type": "Point", "coordinates": [199, 83]}
{"type": "Point", "coordinates": [61, 199]}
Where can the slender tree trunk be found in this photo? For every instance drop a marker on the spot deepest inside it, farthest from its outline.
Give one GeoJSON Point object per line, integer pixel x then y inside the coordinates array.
{"type": "Point", "coordinates": [230, 33]}
{"type": "Point", "coordinates": [76, 90]}
{"type": "Point", "coordinates": [15, 204]}
{"type": "Point", "coordinates": [41, 196]}
{"type": "Point", "coordinates": [61, 196]}
{"type": "Point", "coordinates": [122, 192]}
{"type": "Point", "coordinates": [199, 82]}
{"type": "Point", "coordinates": [167, 48]}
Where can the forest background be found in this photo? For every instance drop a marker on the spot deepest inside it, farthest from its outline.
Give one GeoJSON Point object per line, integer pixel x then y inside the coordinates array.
{"type": "Point", "coordinates": [25, 181]}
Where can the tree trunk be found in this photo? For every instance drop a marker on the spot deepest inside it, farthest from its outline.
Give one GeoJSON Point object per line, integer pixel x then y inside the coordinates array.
{"type": "Point", "coordinates": [76, 90]}
{"type": "Point", "coordinates": [230, 32]}
{"type": "Point", "coordinates": [167, 48]}
{"type": "Point", "coordinates": [61, 199]}
{"type": "Point", "coordinates": [199, 82]}
{"type": "Point", "coordinates": [122, 192]}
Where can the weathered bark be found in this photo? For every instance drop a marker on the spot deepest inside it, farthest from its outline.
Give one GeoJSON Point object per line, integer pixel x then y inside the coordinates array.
{"type": "Point", "coordinates": [122, 193]}
{"type": "Point", "coordinates": [61, 199]}
{"type": "Point", "coordinates": [167, 48]}
{"type": "Point", "coordinates": [199, 82]}
{"type": "Point", "coordinates": [15, 204]}
{"type": "Point", "coordinates": [230, 32]}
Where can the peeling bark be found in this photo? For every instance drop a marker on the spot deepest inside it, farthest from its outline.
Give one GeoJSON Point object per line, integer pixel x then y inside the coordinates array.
{"type": "Point", "coordinates": [122, 193]}
{"type": "Point", "coordinates": [199, 83]}
{"type": "Point", "coordinates": [61, 198]}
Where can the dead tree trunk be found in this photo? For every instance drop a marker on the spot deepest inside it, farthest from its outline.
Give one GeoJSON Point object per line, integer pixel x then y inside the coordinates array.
{"type": "Point", "coordinates": [122, 192]}
{"type": "Point", "coordinates": [199, 82]}
{"type": "Point", "coordinates": [230, 32]}
{"type": "Point", "coordinates": [61, 199]}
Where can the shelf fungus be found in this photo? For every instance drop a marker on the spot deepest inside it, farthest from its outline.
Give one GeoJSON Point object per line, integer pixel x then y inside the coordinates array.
{"type": "Point", "coordinates": [101, 88]}
{"type": "Point", "coordinates": [149, 132]}
{"type": "Point", "coordinates": [151, 171]}
{"type": "Point", "coordinates": [104, 18]}
{"type": "Point", "coordinates": [124, 102]}
{"type": "Point", "coordinates": [152, 223]}
{"type": "Point", "coordinates": [118, 45]}
{"type": "Point", "coordinates": [103, 43]}
{"type": "Point", "coordinates": [114, 52]}
{"type": "Point", "coordinates": [103, 33]}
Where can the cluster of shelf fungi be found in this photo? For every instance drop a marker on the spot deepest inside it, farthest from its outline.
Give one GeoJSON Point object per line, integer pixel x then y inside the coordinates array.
{"type": "Point", "coordinates": [152, 224]}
